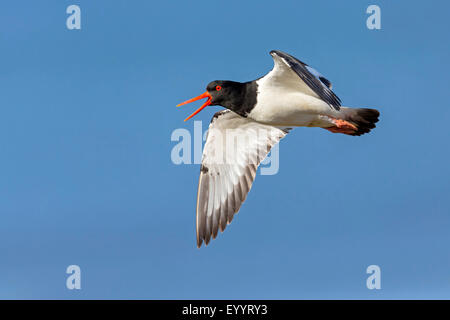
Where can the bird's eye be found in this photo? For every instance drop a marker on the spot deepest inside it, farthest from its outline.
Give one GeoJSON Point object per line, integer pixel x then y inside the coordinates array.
{"type": "Point", "coordinates": [218, 88]}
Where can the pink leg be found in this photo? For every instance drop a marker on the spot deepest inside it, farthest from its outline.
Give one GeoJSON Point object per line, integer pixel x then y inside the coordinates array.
{"type": "Point", "coordinates": [342, 126]}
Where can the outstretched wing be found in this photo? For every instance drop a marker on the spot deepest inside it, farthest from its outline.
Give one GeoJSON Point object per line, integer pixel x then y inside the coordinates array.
{"type": "Point", "coordinates": [234, 148]}
{"type": "Point", "coordinates": [290, 72]}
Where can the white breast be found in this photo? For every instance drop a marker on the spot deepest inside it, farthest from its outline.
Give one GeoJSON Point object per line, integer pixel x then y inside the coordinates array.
{"type": "Point", "coordinates": [277, 105]}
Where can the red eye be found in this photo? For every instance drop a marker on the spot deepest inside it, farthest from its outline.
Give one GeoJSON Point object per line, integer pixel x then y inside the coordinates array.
{"type": "Point", "coordinates": [218, 88]}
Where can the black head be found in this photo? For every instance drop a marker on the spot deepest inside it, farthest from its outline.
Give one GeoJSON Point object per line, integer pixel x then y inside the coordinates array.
{"type": "Point", "coordinates": [228, 94]}
{"type": "Point", "coordinates": [224, 93]}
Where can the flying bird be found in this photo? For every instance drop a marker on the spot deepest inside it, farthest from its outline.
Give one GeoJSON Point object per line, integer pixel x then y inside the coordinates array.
{"type": "Point", "coordinates": [258, 115]}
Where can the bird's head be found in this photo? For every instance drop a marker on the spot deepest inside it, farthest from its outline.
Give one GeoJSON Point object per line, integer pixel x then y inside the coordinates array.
{"type": "Point", "coordinates": [218, 92]}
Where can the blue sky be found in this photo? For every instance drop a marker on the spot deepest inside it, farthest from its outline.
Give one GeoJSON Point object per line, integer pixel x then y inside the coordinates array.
{"type": "Point", "coordinates": [86, 176]}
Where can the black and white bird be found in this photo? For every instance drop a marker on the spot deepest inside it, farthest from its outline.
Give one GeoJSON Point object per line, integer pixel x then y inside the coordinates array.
{"type": "Point", "coordinates": [258, 115]}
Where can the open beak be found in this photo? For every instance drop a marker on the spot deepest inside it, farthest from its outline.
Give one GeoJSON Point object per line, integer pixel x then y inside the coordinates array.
{"type": "Point", "coordinates": [207, 103]}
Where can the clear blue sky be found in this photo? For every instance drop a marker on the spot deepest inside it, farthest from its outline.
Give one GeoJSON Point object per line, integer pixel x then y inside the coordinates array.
{"type": "Point", "coordinates": [86, 176]}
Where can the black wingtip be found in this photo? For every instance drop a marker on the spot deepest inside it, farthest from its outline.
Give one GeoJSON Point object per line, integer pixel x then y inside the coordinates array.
{"type": "Point", "coordinates": [276, 52]}
{"type": "Point", "coordinates": [325, 81]}
{"type": "Point", "coordinates": [199, 243]}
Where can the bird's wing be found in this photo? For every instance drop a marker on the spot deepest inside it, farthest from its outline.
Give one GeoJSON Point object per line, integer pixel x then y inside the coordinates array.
{"type": "Point", "coordinates": [289, 72]}
{"type": "Point", "coordinates": [234, 148]}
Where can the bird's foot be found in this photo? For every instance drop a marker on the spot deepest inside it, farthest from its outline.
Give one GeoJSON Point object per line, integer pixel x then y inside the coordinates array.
{"type": "Point", "coordinates": [342, 126]}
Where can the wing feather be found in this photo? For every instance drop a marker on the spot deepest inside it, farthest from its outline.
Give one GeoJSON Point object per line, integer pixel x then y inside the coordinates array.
{"type": "Point", "coordinates": [308, 80]}
{"type": "Point", "coordinates": [223, 187]}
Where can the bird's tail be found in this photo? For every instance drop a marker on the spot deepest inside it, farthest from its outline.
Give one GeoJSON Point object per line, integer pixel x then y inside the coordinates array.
{"type": "Point", "coordinates": [355, 121]}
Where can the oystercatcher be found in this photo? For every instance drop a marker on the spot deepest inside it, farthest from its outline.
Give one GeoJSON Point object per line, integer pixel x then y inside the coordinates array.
{"type": "Point", "coordinates": [260, 113]}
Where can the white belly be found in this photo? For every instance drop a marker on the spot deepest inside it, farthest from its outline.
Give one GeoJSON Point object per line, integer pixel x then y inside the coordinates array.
{"type": "Point", "coordinates": [297, 109]}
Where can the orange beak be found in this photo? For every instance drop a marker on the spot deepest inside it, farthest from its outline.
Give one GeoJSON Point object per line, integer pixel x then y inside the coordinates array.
{"type": "Point", "coordinates": [207, 103]}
